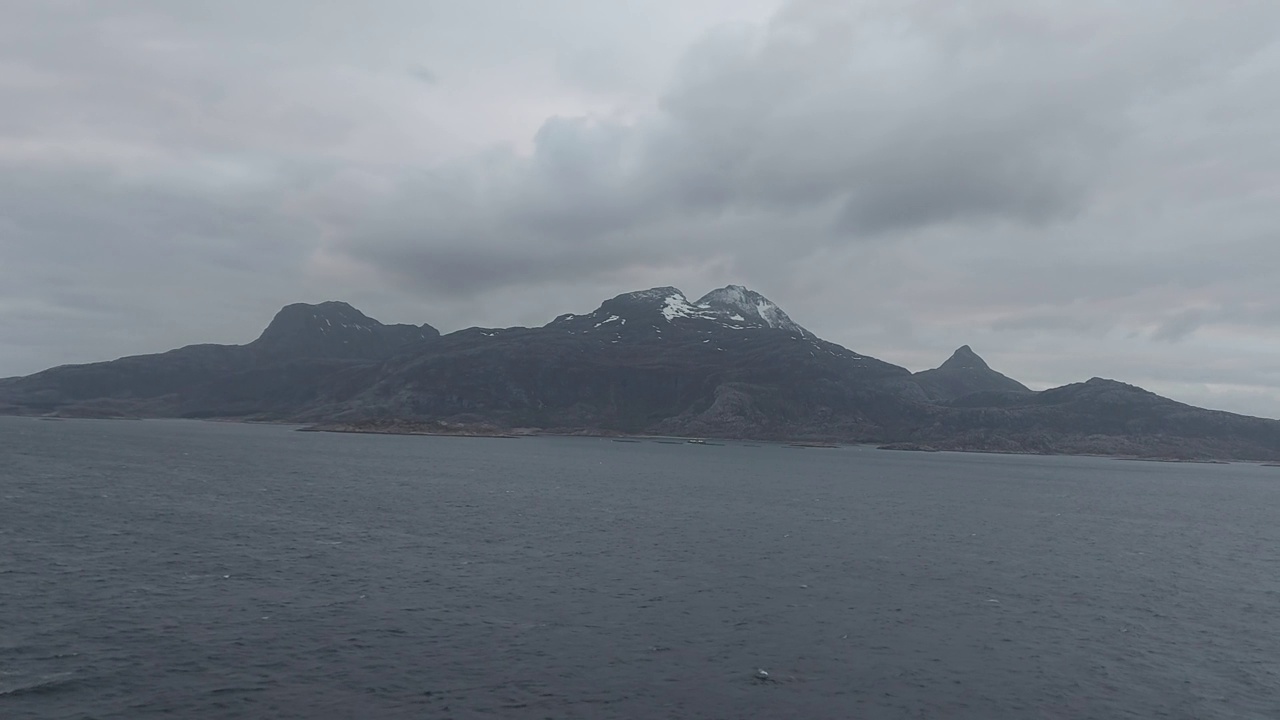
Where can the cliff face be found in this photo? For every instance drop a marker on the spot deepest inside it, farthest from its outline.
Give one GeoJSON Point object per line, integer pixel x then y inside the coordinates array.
{"type": "Point", "coordinates": [730, 364]}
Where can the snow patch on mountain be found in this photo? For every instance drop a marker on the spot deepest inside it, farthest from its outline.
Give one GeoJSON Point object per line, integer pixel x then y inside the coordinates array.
{"type": "Point", "coordinates": [677, 305]}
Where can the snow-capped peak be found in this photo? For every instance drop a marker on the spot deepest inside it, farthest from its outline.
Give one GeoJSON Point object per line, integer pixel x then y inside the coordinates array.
{"type": "Point", "coordinates": [732, 308]}
{"type": "Point", "coordinates": [751, 305]}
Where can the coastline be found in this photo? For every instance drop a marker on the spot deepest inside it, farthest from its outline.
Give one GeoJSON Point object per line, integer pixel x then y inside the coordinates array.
{"type": "Point", "coordinates": [445, 429]}
{"type": "Point", "coordinates": [483, 430]}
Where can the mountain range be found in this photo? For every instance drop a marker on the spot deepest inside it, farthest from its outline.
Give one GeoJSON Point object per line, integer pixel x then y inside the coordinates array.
{"type": "Point", "coordinates": [730, 364]}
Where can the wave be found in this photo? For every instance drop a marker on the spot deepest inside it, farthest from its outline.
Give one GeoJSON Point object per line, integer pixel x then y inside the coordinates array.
{"type": "Point", "coordinates": [13, 687]}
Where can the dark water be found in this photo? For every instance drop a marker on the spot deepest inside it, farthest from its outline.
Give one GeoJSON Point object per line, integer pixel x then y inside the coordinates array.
{"type": "Point", "coordinates": [199, 570]}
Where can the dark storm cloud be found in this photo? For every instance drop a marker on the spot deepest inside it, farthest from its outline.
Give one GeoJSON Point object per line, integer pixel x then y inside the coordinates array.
{"type": "Point", "coordinates": [878, 118]}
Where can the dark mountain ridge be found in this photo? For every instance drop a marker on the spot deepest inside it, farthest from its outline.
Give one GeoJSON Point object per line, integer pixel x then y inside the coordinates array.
{"type": "Point", "coordinates": [730, 364]}
{"type": "Point", "coordinates": [302, 344]}
{"type": "Point", "coordinates": [334, 330]}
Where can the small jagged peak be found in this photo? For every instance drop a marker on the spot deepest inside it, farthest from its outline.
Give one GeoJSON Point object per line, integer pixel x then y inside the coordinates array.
{"type": "Point", "coordinates": [964, 358]}
{"type": "Point", "coordinates": [965, 373]}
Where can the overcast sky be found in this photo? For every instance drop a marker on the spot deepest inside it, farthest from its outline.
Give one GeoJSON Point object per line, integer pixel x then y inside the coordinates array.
{"type": "Point", "coordinates": [1074, 188]}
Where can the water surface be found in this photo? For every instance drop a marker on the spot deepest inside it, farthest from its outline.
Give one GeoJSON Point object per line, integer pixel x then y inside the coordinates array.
{"type": "Point", "coordinates": [205, 570]}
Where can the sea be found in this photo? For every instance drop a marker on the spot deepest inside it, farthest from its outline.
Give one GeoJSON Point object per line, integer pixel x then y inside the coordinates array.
{"type": "Point", "coordinates": [184, 569]}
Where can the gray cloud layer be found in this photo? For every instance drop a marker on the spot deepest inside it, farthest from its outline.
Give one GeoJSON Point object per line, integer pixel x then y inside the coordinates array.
{"type": "Point", "coordinates": [1074, 188]}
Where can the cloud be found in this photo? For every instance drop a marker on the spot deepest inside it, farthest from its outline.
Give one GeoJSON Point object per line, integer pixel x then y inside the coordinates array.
{"type": "Point", "coordinates": [864, 120]}
{"type": "Point", "coordinates": [424, 74]}
{"type": "Point", "coordinates": [1075, 188]}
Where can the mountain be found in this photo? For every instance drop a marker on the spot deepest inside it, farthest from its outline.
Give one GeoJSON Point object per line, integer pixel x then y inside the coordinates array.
{"type": "Point", "coordinates": [729, 364]}
{"type": "Point", "coordinates": [730, 308]}
{"type": "Point", "coordinates": [334, 330]}
{"type": "Point", "coordinates": [649, 361]}
{"type": "Point", "coordinates": [303, 348]}
{"type": "Point", "coordinates": [962, 374]}
{"type": "Point", "coordinates": [1098, 417]}
{"type": "Point", "coordinates": [738, 304]}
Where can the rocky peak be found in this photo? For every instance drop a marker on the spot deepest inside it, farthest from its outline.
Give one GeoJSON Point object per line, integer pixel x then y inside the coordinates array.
{"type": "Point", "coordinates": [964, 358]}
{"type": "Point", "coordinates": [323, 317]}
{"type": "Point", "coordinates": [964, 373]}
{"type": "Point", "coordinates": [645, 302]}
{"type": "Point", "coordinates": [750, 305]}
{"type": "Point", "coordinates": [334, 329]}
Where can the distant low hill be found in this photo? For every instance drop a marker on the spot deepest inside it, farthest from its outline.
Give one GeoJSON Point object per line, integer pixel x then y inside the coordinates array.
{"type": "Point", "coordinates": [728, 364]}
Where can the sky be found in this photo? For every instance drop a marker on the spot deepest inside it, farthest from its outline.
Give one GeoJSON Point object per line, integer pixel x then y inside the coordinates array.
{"type": "Point", "coordinates": [1075, 189]}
